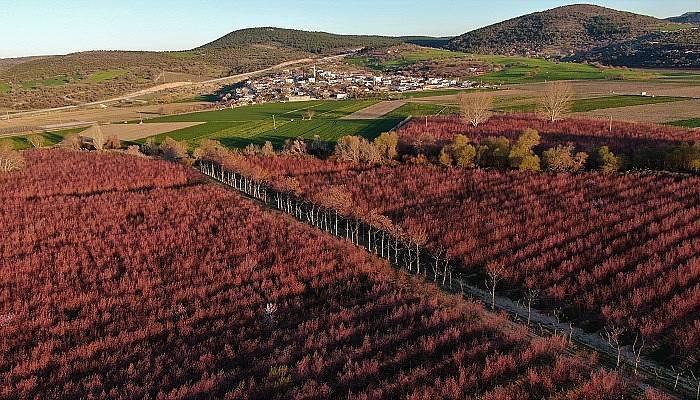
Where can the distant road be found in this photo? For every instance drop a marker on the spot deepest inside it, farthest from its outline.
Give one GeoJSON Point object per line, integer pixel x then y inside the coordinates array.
{"type": "Point", "coordinates": [175, 85]}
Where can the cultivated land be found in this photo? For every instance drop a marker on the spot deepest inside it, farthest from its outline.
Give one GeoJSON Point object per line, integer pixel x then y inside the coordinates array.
{"type": "Point", "coordinates": [196, 292]}
{"type": "Point", "coordinates": [133, 132]}
{"type": "Point", "coordinates": [276, 122]}
{"type": "Point", "coordinates": [376, 111]}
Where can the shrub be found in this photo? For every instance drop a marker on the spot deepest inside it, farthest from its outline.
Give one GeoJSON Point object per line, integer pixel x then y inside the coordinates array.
{"type": "Point", "coordinates": [493, 152]}
{"type": "Point", "coordinates": [607, 161]}
{"type": "Point", "coordinates": [562, 158]}
{"type": "Point", "coordinates": [172, 150]}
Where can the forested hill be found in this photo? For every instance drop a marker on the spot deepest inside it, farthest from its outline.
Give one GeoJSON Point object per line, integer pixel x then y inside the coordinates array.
{"type": "Point", "coordinates": [314, 42]}
{"type": "Point", "coordinates": [674, 49]}
{"type": "Point", "coordinates": [687, 18]}
{"type": "Point", "coordinates": [562, 31]}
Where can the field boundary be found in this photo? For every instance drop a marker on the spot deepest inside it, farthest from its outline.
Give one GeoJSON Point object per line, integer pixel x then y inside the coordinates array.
{"type": "Point", "coordinates": [437, 269]}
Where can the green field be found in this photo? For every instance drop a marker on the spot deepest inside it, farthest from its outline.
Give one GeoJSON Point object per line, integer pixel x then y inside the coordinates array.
{"type": "Point", "coordinates": [404, 60]}
{"type": "Point", "coordinates": [598, 103]}
{"type": "Point", "coordinates": [5, 88]}
{"type": "Point", "coordinates": [102, 76]}
{"type": "Point", "coordinates": [595, 103]}
{"type": "Point", "coordinates": [50, 138]}
{"type": "Point", "coordinates": [686, 123]}
{"type": "Point", "coordinates": [241, 126]}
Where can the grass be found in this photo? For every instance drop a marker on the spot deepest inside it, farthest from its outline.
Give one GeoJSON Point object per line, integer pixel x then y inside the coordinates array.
{"type": "Point", "coordinates": [241, 134]}
{"type": "Point", "coordinates": [404, 59]}
{"type": "Point", "coordinates": [422, 109]}
{"type": "Point", "coordinates": [54, 81]}
{"type": "Point", "coordinates": [50, 138]}
{"type": "Point", "coordinates": [103, 76]}
{"type": "Point", "coordinates": [595, 103]}
{"type": "Point", "coordinates": [5, 88]}
{"type": "Point", "coordinates": [281, 111]}
{"type": "Point", "coordinates": [686, 123]}
{"type": "Point", "coordinates": [583, 105]}
{"type": "Point", "coordinates": [241, 126]}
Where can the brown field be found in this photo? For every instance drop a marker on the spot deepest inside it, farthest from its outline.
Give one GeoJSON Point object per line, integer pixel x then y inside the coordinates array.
{"type": "Point", "coordinates": [100, 115]}
{"type": "Point", "coordinates": [376, 110]}
{"type": "Point", "coordinates": [129, 132]}
{"type": "Point", "coordinates": [663, 112]}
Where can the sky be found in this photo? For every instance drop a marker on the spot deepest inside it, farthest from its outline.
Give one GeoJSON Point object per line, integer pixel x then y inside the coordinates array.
{"type": "Point", "coordinates": [39, 27]}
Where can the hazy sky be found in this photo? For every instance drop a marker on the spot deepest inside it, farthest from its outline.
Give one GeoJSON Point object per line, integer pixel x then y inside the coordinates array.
{"type": "Point", "coordinates": [32, 27]}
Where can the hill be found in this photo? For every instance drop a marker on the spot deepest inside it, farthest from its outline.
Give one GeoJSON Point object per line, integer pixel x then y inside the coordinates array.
{"type": "Point", "coordinates": [94, 75]}
{"type": "Point", "coordinates": [687, 18]}
{"type": "Point", "coordinates": [55, 81]}
{"type": "Point", "coordinates": [562, 31]}
{"type": "Point", "coordinates": [313, 42]}
{"type": "Point", "coordinates": [676, 49]}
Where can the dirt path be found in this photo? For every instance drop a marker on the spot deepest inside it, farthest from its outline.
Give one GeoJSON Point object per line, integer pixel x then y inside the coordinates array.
{"type": "Point", "coordinates": [376, 110]}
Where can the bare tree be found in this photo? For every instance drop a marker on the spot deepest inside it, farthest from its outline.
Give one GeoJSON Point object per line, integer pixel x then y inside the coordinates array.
{"type": "Point", "coordinates": [613, 334]}
{"type": "Point", "coordinates": [476, 107]}
{"type": "Point", "coordinates": [347, 149]}
{"type": "Point", "coordinates": [98, 138]}
{"type": "Point", "coordinates": [37, 141]}
{"type": "Point", "coordinates": [173, 150]}
{"type": "Point", "coordinates": [113, 142]}
{"type": "Point", "coordinates": [71, 141]}
{"type": "Point", "coordinates": [637, 348]}
{"type": "Point", "coordinates": [10, 159]}
{"type": "Point", "coordinates": [556, 99]}
{"type": "Point", "coordinates": [494, 274]}
{"type": "Point", "coordinates": [531, 296]}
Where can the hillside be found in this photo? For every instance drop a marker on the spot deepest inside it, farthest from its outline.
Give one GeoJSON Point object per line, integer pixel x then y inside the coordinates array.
{"type": "Point", "coordinates": [562, 31]}
{"type": "Point", "coordinates": [687, 18]}
{"type": "Point", "coordinates": [313, 42]}
{"type": "Point", "coordinates": [677, 49]}
{"type": "Point", "coordinates": [90, 76]}
{"type": "Point", "coordinates": [55, 81]}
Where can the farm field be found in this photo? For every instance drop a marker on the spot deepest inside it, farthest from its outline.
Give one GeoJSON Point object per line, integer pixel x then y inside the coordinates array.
{"type": "Point", "coordinates": [50, 138]}
{"type": "Point", "coordinates": [687, 123]}
{"type": "Point", "coordinates": [627, 257]}
{"type": "Point", "coordinates": [146, 281]}
{"type": "Point", "coordinates": [651, 113]}
{"type": "Point", "coordinates": [585, 134]}
{"type": "Point", "coordinates": [594, 103]}
{"type": "Point", "coordinates": [241, 126]}
{"type": "Point", "coordinates": [134, 132]}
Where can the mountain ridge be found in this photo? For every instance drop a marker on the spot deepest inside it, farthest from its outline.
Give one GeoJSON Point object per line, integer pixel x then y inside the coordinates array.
{"type": "Point", "coordinates": [560, 32]}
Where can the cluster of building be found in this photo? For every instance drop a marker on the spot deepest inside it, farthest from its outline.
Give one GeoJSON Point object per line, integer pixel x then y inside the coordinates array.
{"type": "Point", "coordinates": [289, 85]}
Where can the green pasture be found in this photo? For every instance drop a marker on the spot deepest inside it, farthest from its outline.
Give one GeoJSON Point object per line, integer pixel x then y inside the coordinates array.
{"type": "Point", "coordinates": [103, 76]}
{"type": "Point", "coordinates": [598, 103]}
{"type": "Point", "coordinates": [591, 104]}
{"type": "Point", "coordinates": [686, 123]}
{"type": "Point", "coordinates": [50, 138]}
{"type": "Point", "coordinates": [241, 126]}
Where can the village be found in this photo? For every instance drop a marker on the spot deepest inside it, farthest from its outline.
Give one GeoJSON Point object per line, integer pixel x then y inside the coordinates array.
{"type": "Point", "coordinates": [315, 83]}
